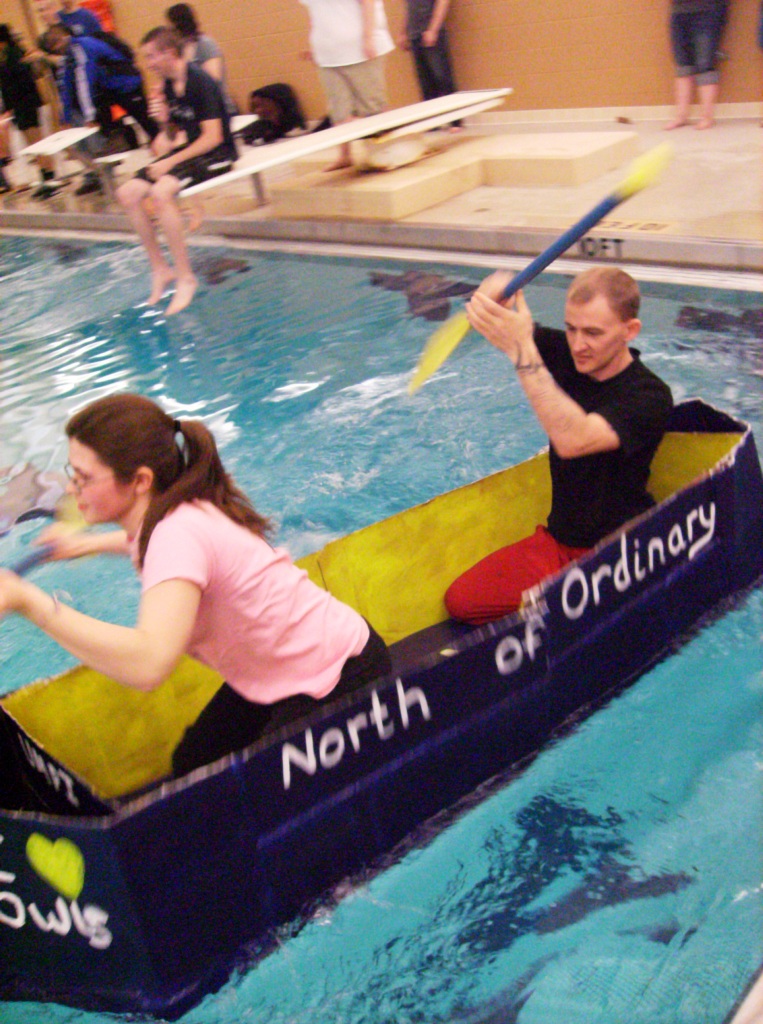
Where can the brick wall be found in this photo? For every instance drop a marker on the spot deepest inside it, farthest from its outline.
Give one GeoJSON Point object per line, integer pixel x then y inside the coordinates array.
{"type": "Point", "coordinates": [553, 53]}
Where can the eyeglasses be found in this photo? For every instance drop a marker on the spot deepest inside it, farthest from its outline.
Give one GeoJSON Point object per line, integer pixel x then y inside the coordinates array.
{"type": "Point", "coordinates": [80, 481]}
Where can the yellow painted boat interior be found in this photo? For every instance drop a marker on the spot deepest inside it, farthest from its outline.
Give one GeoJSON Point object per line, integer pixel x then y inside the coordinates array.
{"type": "Point", "coordinates": [394, 572]}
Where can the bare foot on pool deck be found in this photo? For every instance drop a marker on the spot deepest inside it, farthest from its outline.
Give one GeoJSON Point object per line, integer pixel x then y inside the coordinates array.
{"type": "Point", "coordinates": [160, 280]}
{"type": "Point", "coordinates": [704, 123]}
{"type": "Point", "coordinates": [338, 165]}
{"type": "Point", "coordinates": [185, 289]}
{"type": "Point", "coordinates": [679, 122]}
{"type": "Point", "coordinates": [343, 159]}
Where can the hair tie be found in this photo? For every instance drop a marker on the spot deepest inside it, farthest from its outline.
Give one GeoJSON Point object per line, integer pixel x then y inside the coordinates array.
{"type": "Point", "coordinates": [180, 442]}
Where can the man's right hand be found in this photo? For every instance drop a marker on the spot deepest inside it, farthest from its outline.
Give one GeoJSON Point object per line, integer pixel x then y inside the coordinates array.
{"type": "Point", "coordinates": [506, 324]}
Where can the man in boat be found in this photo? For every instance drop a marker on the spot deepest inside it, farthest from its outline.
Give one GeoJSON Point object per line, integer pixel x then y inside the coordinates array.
{"type": "Point", "coordinates": [604, 413]}
{"type": "Point", "coordinates": [195, 144]}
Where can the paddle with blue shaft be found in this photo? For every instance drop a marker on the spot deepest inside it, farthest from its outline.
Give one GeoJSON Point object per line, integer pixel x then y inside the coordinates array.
{"type": "Point", "coordinates": [35, 557]}
{"type": "Point", "coordinates": [643, 172]}
{"type": "Point", "coordinates": [67, 514]}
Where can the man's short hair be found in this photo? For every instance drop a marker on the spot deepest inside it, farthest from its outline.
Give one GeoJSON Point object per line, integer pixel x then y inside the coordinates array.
{"type": "Point", "coordinates": [53, 36]}
{"type": "Point", "coordinates": [163, 38]}
{"type": "Point", "coordinates": [618, 288]}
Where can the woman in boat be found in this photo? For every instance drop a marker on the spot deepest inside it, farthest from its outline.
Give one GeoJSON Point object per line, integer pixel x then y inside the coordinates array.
{"type": "Point", "coordinates": [212, 586]}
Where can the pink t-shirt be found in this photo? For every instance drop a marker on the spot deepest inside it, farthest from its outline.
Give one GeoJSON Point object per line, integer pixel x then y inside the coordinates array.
{"type": "Point", "coordinates": [262, 623]}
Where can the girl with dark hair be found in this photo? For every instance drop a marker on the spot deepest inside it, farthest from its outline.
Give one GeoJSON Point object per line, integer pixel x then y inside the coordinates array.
{"type": "Point", "coordinates": [212, 586]}
{"type": "Point", "coordinates": [200, 49]}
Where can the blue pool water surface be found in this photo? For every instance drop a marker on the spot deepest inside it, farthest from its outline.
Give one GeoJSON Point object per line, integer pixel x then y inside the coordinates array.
{"type": "Point", "coordinates": [619, 878]}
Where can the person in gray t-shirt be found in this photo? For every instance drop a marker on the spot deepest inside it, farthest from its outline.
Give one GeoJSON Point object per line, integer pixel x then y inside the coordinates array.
{"type": "Point", "coordinates": [200, 49]}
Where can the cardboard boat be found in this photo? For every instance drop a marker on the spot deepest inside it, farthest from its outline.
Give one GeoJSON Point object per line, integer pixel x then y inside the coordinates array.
{"type": "Point", "coordinates": [123, 890]}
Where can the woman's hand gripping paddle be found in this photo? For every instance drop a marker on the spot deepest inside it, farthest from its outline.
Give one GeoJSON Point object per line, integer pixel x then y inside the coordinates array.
{"type": "Point", "coordinates": [68, 519]}
{"type": "Point", "coordinates": [643, 171]}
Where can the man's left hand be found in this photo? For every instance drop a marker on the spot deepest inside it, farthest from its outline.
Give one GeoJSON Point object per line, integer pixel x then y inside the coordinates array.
{"type": "Point", "coordinates": [159, 168]}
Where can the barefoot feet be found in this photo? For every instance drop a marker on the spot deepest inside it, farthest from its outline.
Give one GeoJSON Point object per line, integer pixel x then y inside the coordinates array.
{"type": "Point", "coordinates": [161, 278]}
{"type": "Point", "coordinates": [185, 289]}
{"type": "Point", "coordinates": [678, 123]}
{"type": "Point", "coordinates": [343, 158]}
{"type": "Point", "coordinates": [338, 165]}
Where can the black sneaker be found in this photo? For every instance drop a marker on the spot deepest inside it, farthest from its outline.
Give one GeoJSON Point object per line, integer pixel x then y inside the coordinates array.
{"type": "Point", "coordinates": [47, 189]}
{"type": "Point", "coordinates": [89, 185]}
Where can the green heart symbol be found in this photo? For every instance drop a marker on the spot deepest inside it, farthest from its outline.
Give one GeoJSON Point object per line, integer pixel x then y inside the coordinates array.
{"type": "Point", "coordinates": [59, 863]}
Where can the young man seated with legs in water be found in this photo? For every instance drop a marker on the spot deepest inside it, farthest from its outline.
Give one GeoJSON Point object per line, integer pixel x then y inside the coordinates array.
{"type": "Point", "coordinates": [193, 105]}
{"type": "Point", "coordinates": [604, 413]}
{"type": "Point", "coordinates": [212, 584]}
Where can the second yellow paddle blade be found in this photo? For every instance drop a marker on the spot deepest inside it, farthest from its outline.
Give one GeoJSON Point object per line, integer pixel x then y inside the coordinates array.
{"type": "Point", "coordinates": [68, 513]}
{"type": "Point", "coordinates": [645, 170]}
{"type": "Point", "coordinates": [438, 348]}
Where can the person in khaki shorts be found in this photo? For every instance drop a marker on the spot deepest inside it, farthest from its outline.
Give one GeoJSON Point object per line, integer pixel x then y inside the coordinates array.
{"type": "Point", "coordinates": [348, 42]}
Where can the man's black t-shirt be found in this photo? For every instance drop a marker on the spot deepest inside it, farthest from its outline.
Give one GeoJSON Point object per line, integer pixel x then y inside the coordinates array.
{"type": "Point", "coordinates": [595, 494]}
{"type": "Point", "coordinates": [201, 101]}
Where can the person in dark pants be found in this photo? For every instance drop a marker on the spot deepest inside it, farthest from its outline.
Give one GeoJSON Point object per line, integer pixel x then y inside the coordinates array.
{"type": "Point", "coordinates": [696, 27]}
{"type": "Point", "coordinates": [21, 101]}
{"type": "Point", "coordinates": [426, 37]}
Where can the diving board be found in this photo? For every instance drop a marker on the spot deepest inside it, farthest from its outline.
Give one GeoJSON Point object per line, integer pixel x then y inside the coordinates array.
{"type": "Point", "coordinates": [139, 158]}
{"type": "Point", "coordinates": [417, 117]}
{"type": "Point", "coordinates": [59, 141]}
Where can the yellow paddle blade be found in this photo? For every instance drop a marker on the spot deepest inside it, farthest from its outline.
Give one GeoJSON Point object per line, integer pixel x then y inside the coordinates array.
{"type": "Point", "coordinates": [644, 170]}
{"type": "Point", "coordinates": [438, 348]}
{"type": "Point", "coordinates": [68, 514]}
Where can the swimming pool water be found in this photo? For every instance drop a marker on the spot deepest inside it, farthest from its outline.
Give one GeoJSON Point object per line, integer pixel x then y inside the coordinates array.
{"type": "Point", "coordinates": [618, 878]}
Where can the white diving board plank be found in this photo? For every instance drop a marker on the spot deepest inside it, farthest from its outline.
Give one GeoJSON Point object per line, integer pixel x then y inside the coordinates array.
{"type": "Point", "coordinates": [444, 109]}
{"type": "Point", "coordinates": [441, 119]}
{"type": "Point", "coordinates": [57, 142]}
{"type": "Point", "coordinates": [138, 158]}
{"type": "Point", "coordinates": [240, 121]}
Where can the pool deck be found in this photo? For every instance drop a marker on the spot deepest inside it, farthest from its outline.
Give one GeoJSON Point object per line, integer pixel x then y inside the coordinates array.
{"type": "Point", "coordinates": [705, 212]}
